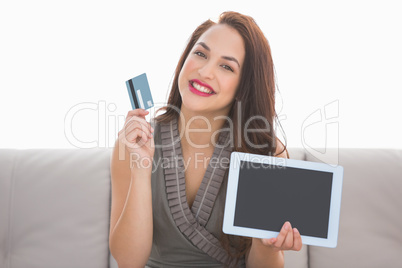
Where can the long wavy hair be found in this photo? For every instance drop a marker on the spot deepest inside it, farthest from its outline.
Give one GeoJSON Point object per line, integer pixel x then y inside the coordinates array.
{"type": "Point", "coordinates": [255, 97]}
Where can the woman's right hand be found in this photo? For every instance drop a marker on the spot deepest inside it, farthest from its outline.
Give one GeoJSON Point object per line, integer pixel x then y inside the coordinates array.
{"type": "Point", "coordinates": [137, 138]}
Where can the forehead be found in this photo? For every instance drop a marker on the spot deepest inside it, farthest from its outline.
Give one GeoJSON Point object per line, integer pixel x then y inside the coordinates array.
{"type": "Point", "coordinates": [224, 40]}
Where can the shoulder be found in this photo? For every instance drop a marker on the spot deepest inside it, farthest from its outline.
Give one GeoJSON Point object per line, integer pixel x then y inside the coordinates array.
{"type": "Point", "coordinates": [281, 150]}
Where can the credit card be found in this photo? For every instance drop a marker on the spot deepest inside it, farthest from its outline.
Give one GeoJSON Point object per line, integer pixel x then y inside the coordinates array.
{"type": "Point", "coordinates": [139, 92]}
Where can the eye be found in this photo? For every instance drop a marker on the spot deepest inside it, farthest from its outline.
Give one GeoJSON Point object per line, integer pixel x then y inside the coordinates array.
{"type": "Point", "coordinates": [227, 67]}
{"type": "Point", "coordinates": [199, 53]}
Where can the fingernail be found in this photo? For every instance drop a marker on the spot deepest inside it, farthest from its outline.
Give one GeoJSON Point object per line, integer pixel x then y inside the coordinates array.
{"type": "Point", "coordinates": [287, 226]}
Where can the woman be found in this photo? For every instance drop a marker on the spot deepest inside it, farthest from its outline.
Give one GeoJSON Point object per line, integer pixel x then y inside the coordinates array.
{"type": "Point", "coordinates": [167, 195]}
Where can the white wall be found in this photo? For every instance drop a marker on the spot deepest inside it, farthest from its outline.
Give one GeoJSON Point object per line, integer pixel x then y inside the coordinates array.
{"type": "Point", "coordinates": [64, 63]}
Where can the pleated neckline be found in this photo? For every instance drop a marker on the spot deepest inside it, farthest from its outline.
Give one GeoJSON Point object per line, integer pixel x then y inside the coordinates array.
{"type": "Point", "coordinates": [192, 222]}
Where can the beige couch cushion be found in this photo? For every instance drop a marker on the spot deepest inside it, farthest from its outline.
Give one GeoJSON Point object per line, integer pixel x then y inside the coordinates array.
{"type": "Point", "coordinates": [370, 233]}
{"type": "Point", "coordinates": [54, 210]}
{"type": "Point", "coordinates": [54, 207]}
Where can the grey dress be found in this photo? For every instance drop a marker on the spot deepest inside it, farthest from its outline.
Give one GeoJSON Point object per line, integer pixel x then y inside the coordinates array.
{"type": "Point", "coordinates": [184, 237]}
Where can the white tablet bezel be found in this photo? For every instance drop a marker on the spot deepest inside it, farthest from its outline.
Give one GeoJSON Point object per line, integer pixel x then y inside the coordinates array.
{"type": "Point", "coordinates": [233, 179]}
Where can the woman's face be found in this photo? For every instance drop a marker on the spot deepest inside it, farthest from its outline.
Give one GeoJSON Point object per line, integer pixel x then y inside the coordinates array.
{"type": "Point", "coordinates": [212, 70]}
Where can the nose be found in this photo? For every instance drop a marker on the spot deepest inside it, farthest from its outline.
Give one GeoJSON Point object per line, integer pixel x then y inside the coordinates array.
{"type": "Point", "coordinates": [207, 70]}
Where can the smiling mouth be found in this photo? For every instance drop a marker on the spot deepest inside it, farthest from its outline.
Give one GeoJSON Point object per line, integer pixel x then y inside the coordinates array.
{"type": "Point", "coordinates": [200, 88]}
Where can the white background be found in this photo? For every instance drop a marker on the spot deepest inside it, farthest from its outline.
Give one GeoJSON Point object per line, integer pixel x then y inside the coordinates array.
{"type": "Point", "coordinates": [64, 65]}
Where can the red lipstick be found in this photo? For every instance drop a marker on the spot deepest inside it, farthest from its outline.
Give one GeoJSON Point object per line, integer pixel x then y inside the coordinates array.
{"type": "Point", "coordinates": [196, 91]}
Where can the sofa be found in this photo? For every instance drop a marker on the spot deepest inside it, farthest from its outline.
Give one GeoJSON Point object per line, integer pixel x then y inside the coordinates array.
{"type": "Point", "coordinates": [55, 207]}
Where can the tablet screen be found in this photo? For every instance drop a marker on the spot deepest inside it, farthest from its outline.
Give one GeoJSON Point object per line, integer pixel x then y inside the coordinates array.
{"type": "Point", "coordinates": [270, 195]}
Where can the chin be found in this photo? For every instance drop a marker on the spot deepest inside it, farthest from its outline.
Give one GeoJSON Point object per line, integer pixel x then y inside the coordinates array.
{"type": "Point", "coordinates": [193, 106]}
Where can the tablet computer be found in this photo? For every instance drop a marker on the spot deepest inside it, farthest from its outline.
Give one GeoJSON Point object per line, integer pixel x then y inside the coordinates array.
{"type": "Point", "coordinates": [264, 192]}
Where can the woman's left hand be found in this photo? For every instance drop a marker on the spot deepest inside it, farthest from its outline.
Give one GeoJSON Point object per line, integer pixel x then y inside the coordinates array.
{"type": "Point", "coordinates": [287, 239]}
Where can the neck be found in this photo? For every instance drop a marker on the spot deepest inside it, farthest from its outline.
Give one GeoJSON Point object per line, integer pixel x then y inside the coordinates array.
{"type": "Point", "coordinates": [199, 131]}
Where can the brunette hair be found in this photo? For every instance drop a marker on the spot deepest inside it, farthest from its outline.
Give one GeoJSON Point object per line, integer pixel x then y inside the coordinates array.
{"type": "Point", "coordinates": [255, 97]}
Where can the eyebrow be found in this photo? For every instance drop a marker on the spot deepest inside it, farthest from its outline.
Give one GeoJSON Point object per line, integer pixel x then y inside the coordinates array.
{"type": "Point", "coordinates": [223, 57]}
